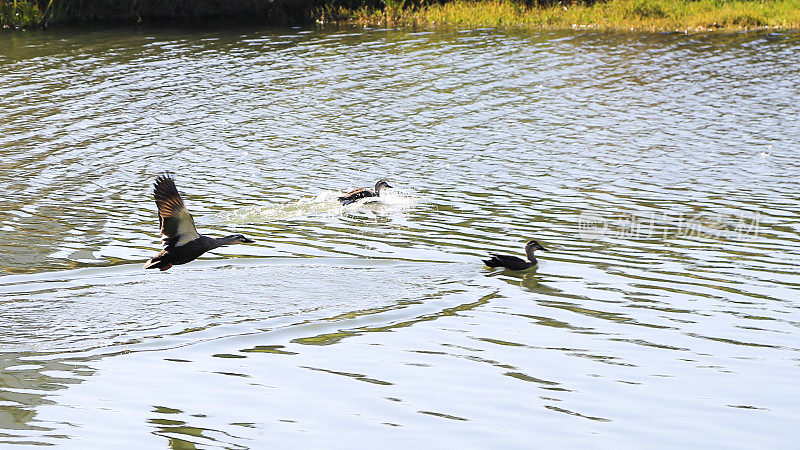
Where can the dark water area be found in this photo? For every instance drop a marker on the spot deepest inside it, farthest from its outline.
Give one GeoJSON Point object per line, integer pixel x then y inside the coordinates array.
{"type": "Point", "coordinates": [660, 171]}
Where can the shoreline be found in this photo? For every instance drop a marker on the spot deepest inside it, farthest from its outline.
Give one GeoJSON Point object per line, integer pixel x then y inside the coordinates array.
{"type": "Point", "coordinates": [613, 15]}
{"type": "Point", "coordinates": [610, 15]}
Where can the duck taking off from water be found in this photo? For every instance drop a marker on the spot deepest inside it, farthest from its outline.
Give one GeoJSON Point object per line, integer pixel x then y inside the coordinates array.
{"type": "Point", "coordinates": [514, 263]}
{"type": "Point", "coordinates": [355, 195]}
{"type": "Point", "coordinates": [182, 242]}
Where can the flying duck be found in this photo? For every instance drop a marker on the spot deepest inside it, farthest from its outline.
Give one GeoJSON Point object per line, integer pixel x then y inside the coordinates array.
{"type": "Point", "coordinates": [514, 263]}
{"type": "Point", "coordinates": [182, 242]}
{"type": "Point", "coordinates": [357, 194]}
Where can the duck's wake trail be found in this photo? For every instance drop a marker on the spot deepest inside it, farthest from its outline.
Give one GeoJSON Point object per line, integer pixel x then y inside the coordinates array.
{"type": "Point", "coordinates": [324, 205]}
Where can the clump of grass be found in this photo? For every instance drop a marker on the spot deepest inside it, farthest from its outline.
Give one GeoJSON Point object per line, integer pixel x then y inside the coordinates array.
{"type": "Point", "coordinates": [394, 7]}
{"type": "Point", "coordinates": [20, 13]}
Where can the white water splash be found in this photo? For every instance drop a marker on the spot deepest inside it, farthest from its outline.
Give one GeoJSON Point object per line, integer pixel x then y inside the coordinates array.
{"type": "Point", "coordinates": [390, 200]}
{"type": "Point", "coordinates": [324, 205]}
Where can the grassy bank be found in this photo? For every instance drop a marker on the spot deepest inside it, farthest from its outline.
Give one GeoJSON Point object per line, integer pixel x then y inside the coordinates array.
{"type": "Point", "coordinates": [650, 15]}
{"type": "Point", "coordinates": [20, 14]}
{"type": "Point", "coordinates": [655, 15]}
{"type": "Point", "coordinates": [37, 13]}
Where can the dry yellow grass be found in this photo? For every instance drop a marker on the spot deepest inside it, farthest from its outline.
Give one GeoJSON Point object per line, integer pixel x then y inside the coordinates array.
{"type": "Point", "coordinates": [652, 15]}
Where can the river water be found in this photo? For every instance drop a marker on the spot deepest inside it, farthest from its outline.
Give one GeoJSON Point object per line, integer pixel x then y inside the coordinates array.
{"type": "Point", "coordinates": [660, 171]}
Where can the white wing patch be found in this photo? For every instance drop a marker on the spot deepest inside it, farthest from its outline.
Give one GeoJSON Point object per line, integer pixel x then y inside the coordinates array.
{"type": "Point", "coordinates": [186, 229]}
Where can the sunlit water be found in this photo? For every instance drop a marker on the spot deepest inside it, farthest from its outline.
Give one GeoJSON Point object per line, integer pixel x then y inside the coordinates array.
{"type": "Point", "coordinates": [661, 171]}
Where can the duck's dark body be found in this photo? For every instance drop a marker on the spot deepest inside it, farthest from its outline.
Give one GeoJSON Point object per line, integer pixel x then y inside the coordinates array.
{"type": "Point", "coordinates": [182, 242]}
{"type": "Point", "coordinates": [174, 256]}
{"type": "Point", "coordinates": [509, 262]}
{"type": "Point", "coordinates": [513, 262]}
{"type": "Point", "coordinates": [357, 194]}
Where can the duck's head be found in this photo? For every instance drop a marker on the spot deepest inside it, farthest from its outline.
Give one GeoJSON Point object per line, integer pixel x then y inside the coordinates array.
{"type": "Point", "coordinates": [531, 246]}
{"type": "Point", "coordinates": [380, 185]}
{"type": "Point", "coordinates": [240, 238]}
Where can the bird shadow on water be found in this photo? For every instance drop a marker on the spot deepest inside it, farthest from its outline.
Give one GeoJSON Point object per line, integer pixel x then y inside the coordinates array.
{"type": "Point", "coordinates": [532, 282]}
{"type": "Point", "coordinates": [529, 279]}
{"type": "Point", "coordinates": [547, 295]}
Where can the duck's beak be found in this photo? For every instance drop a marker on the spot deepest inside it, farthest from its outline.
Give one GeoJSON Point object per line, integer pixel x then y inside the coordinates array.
{"type": "Point", "coordinates": [248, 241]}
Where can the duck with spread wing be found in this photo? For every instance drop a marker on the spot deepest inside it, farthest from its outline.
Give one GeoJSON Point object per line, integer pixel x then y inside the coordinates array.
{"type": "Point", "coordinates": [182, 242]}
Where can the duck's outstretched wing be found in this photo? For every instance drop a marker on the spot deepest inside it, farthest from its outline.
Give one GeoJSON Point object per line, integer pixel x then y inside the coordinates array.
{"type": "Point", "coordinates": [176, 223]}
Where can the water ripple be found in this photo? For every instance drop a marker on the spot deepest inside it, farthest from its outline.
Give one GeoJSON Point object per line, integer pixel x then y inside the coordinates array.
{"type": "Point", "coordinates": [660, 171]}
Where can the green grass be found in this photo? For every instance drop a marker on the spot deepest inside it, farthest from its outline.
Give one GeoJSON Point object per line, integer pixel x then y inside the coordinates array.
{"type": "Point", "coordinates": [31, 13]}
{"type": "Point", "coordinates": [19, 14]}
{"type": "Point", "coordinates": [654, 15]}
{"type": "Point", "coordinates": [650, 15]}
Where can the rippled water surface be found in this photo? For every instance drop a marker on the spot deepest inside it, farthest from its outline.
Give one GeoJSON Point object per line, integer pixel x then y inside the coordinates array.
{"type": "Point", "coordinates": [661, 172]}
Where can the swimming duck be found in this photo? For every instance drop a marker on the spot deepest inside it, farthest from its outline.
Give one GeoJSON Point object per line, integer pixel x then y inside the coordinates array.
{"type": "Point", "coordinates": [357, 194]}
{"type": "Point", "coordinates": [514, 263]}
{"type": "Point", "coordinates": [182, 242]}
